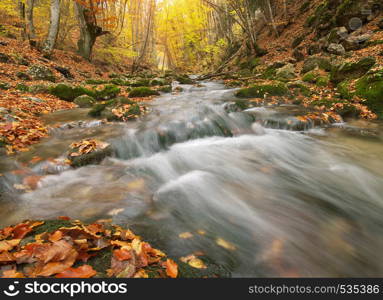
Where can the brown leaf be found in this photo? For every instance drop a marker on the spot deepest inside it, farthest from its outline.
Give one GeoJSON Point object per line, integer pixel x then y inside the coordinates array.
{"type": "Point", "coordinates": [171, 268]}
{"type": "Point", "coordinates": [57, 267]}
{"type": "Point", "coordinates": [84, 271]}
{"type": "Point", "coordinates": [9, 244]}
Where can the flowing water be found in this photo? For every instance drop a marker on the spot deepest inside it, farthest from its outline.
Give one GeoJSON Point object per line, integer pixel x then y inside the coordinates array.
{"type": "Point", "coordinates": [258, 193]}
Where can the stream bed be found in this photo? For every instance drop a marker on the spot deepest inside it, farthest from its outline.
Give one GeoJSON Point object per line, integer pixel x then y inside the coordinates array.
{"type": "Point", "coordinates": [249, 190]}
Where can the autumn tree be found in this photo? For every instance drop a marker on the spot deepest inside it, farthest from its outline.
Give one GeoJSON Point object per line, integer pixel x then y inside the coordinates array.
{"type": "Point", "coordinates": [54, 26]}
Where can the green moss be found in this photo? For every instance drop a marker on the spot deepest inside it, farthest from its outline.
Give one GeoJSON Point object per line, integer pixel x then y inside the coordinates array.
{"type": "Point", "coordinates": [22, 87]}
{"type": "Point", "coordinates": [101, 262]}
{"type": "Point", "coordinates": [300, 89]}
{"type": "Point", "coordinates": [310, 77]}
{"type": "Point", "coordinates": [69, 93]}
{"type": "Point", "coordinates": [344, 90]}
{"type": "Point", "coordinates": [39, 89]}
{"type": "Point", "coordinates": [259, 91]}
{"type": "Point", "coordinates": [140, 83]}
{"type": "Point", "coordinates": [142, 92]}
{"type": "Point", "coordinates": [91, 158]}
{"type": "Point", "coordinates": [51, 226]}
{"type": "Point", "coordinates": [165, 89]}
{"type": "Point", "coordinates": [184, 79]}
{"type": "Point", "coordinates": [4, 86]}
{"type": "Point", "coordinates": [370, 87]}
{"type": "Point", "coordinates": [346, 110]}
{"type": "Point", "coordinates": [322, 81]}
{"type": "Point", "coordinates": [352, 70]}
{"type": "Point", "coordinates": [120, 82]}
{"type": "Point", "coordinates": [84, 101]}
{"type": "Point", "coordinates": [95, 81]}
{"type": "Point", "coordinates": [269, 73]}
{"type": "Point", "coordinates": [108, 92]}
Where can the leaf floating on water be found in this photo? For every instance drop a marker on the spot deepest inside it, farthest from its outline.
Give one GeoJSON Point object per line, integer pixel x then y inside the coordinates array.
{"type": "Point", "coordinates": [197, 263]}
{"type": "Point", "coordinates": [225, 244]}
{"type": "Point", "coordinates": [116, 211]}
{"type": "Point", "coordinates": [185, 235]}
{"type": "Point", "coordinates": [201, 232]}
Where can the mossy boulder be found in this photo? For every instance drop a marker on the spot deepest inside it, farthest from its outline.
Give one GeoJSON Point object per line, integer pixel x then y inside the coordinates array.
{"type": "Point", "coordinates": [299, 88]}
{"type": "Point", "coordinates": [120, 82]}
{"type": "Point", "coordinates": [260, 91]}
{"type": "Point", "coordinates": [287, 72]}
{"type": "Point", "coordinates": [314, 62]}
{"type": "Point", "coordinates": [344, 89]}
{"type": "Point", "coordinates": [84, 101]}
{"type": "Point", "coordinates": [310, 77]}
{"type": "Point", "coordinates": [165, 89]}
{"type": "Point", "coordinates": [184, 79]}
{"type": "Point", "coordinates": [98, 108]}
{"type": "Point", "coordinates": [69, 93]}
{"type": "Point", "coordinates": [370, 87]}
{"type": "Point", "coordinates": [142, 92]}
{"type": "Point", "coordinates": [39, 89]}
{"type": "Point", "coordinates": [140, 83]}
{"type": "Point", "coordinates": [158, 82]}
{"type": "Point", "coordinates": [108, 92]}
{"type": "Point", "coordinates": [352, 70]}
{"type": "Point", "coordinates": [41, 72]}
{"type": "Point", "coordinates": [131, 112]}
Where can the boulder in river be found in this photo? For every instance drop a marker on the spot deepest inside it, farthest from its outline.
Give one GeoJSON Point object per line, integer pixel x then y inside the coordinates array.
{"type": "Point", "coordinates": [89, 152]}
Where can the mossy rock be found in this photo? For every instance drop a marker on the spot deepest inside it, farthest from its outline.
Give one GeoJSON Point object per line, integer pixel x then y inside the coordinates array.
{"type": "Point", "coordinates": [95, 81]}
{"type": "Point", "coordinates": [22, 87]}
{"type": "Point", "coordinates": [4, 86]}
{"type": "Point", "coordinates": [39, 89]}
{"type": "Point", "coordinates": [84, 101]}
{"type": "Point", "coordinates": [370, 87]}
{"type": "Point", "coordinates": [108, 92]}
{"type": "Point", "coordinates": [140, 83]}
{"type": "Point", "coordinates": [260, 91]}
{"type": "Point", "coordinates": [165, 89]}
{"type": "Point", "coordinates": [352, 70]}
{"type": "Point", "coordinates": [322, 81]}
{"type": "Point", "coordinates": [131, 114]}
{"type": "Point", "coordinates": [120, 82]}
{"type": "Point", "coordinates": [344, 90]}
{"type": "Point", "coordinates": [69, 93]}
{"type": "Point", "coordinates": [142, 92]}
{"type": "Point", "coordinates": [310, 77]}
{"type": "Point", "coordinates": [184, 79]}
{"type": "Point", "coordinates": [314, 62]}
{"type": "Point", "coordinates": [158, 82]}
{"type": "Point", "coordinates": [92, 158]}
{"type": "Point", "coordinates": [299, 89]}
{"type": "Point", "coordinates": [269, 73]}
{"type": "Point", "coordinates": [98, 108]}
{"type": "Point", "coordinates": [40, 72]}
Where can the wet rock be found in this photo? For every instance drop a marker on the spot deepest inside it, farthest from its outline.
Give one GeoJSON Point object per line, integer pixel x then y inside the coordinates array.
{"type": "Point", "coordinates": [184, 79]}
{"type": "Point", "coordinates": [108, 92]}
{"type": "Point", "coordinates": [92, 158]}
{"type": "Point", "coordinates": [336, 49]}
{"type": "Point", "coordinates": [165, 89]}
{"type": "Point", "coordinates": [41, 72]}
{"type": "Point", "coordinates": [39, 89]}
{"type": "Point", "coordinates": [158, 82]}
{"type": "Point", "coordinates": [351, 70]}
{"type": "Point", "coordinates": [84, 101]}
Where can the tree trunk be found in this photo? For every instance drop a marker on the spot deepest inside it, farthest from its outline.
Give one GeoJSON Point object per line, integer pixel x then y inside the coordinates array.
{"type": "Point", "coordinates": [53, 27]}
{"type": "Point", "coordinates": [89, 31]}
{"type": "Point", "coordinates": [21, 8]}
{"type": "Point", "coordinates": [30, 28]}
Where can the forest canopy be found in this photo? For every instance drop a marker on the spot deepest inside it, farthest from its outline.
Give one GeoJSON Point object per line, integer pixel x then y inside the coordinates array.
{"type": "Point", "coordinates": [176, 34]}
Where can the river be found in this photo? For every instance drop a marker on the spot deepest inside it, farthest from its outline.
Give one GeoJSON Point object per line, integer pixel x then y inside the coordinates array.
{"type": "Point", "coordinates": [250, 190]}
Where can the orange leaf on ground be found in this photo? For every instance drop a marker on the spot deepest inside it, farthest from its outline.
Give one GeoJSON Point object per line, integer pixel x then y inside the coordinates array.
{"type": "Point", "coordinates": [8, 245]}
{"type": "Point", "coordinates": [171, 268]}
{"type": "Point", "coordinates": [21, 230]}
{"type": "Point", "coordinates": [122, 254]}
{"type": "Point", "coordinates": [84, 271]}
{"type": "Point", "coordinates": [12, 274]}
{"type": "Point", "coordinates": [57, 267]}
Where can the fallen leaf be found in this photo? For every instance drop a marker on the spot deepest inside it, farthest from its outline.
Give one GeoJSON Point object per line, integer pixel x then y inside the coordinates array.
{"type": "Point", "coordinates": [225, 244]}
{"type": "Point", "coordinates": [171, 268]}
{"type": "Point", "coordinates": [85, 271]}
